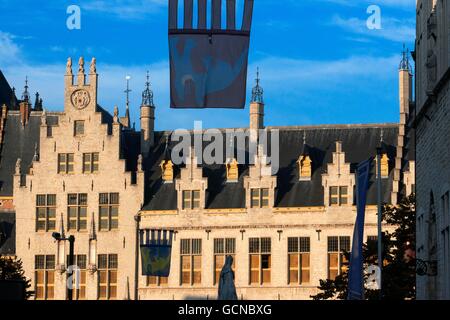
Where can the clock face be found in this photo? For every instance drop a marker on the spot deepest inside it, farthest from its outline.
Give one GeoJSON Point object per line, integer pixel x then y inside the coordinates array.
{"type": "Point", "coordinates": [80, 99]}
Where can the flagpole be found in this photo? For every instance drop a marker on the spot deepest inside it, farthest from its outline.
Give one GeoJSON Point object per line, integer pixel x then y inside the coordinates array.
{"type": "Point", "coordinates": [380, 234]}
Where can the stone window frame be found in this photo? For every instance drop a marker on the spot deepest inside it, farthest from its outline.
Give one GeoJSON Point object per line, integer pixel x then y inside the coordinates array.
{"type": "Point", "coordinates": [339, 196]}
{"type": "Point", "coordinates": [260, 248]}
{"type": "Point", "coordinates": [106, 201]}
{"type": "Point", "coordinates": [78, 131]}
{"type": "Point", "coordinates": [79, 293]}
{"type": "Point", "coordinates": [46, 204]}
{"type": "Point", "coordinates": [193, 201]}
{"type": "Point", "coordinates": [336, 246]}
{"type": "Point", "coordinates": [91, 162]}
{"type": "Point", "coordinates": [191, 249]}
{"type": "Point", "coordinates": [223, 247]}
{"type": "Point", "coordinates": [64, 163]}
{"type": "Point", "coordinates": [299, 250]}
{"type": "Point", "coordinates": [108, 266]}
{"type": "Point", "coordinates": [44, 269]}
{"type": "Point", "coordinates": [79, 203]}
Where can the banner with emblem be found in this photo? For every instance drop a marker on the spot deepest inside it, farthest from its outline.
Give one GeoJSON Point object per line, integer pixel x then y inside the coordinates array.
{"type": "Point", "coordinates": [156, 251]}
{"type": "Point", "coordinates": [208, 65]}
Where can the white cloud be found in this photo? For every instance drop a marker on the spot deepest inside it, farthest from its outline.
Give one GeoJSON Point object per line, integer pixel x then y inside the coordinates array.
{"type": "Point", "coordinates": [9, 50]}
{"type": "Point", "coordinates": [392, 29]}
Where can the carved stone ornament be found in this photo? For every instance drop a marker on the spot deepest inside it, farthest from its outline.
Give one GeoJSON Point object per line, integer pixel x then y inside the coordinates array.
{"type": "Point", "coordinates": [80, 99]}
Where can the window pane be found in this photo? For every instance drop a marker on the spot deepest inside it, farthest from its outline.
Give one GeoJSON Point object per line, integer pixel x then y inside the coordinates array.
{"type": "Point", "coordinates": [40, 200]}
{"type": "Point", "coordinates": [114, 198]}
{"type": "Point", "coordinates": [102, 261]}
{"type": "Point", "coordinates": [219, 246]}
{"type": "Point", "coordinates": [254, 245]}
{"type": "Point", "coordinates": [293, 261]}
{"type": "Point", "coordinates": [51, 200]}
{"type": "Point", "coordinates": [103, 198]}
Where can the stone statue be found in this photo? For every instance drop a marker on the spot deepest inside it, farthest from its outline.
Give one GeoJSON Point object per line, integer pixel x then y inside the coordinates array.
{"type": "Point", "coordinates": [69, 66]}
{"type": "Point", "coordinates": [93, 69]}
{"type": "Point", "coordinates": [431, 70]}
{"type": "Point", "coordinates": [81, 65]}
{"type": "Point", "coordinates": [116, 114]}
{"type": "Point", "coordinates": [18, 165]}
{"type": "Point", "coordinates": [140, 162]}
{"type": "Point", "coordinates": [227, 289]}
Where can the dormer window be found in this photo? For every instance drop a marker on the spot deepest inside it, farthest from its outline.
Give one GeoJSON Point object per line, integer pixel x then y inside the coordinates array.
{"type": "Point", "coordinates": [338, 196]}
{"type": "Point", "coordinates": [384, 166]}
{"type": "Point", "coordinates": [304, 168]}
{"type": "Point", "coordinates": [232, 171]}
{"type": "Point", "coordinates": [260, 198]}
{"type": "Point", "coordinates": [167, 171]}
{"type": "Point", "coordinates": [191, 199]}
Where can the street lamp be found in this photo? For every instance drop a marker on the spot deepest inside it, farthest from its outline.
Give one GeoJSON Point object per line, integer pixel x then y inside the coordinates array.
{"type": "Point", "coordinates": [57, 236]}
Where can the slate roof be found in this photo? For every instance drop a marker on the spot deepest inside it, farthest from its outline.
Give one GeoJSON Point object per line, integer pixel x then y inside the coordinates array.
{"type": "Point", "coordinates": [359, 142]}
{"type": "Point", "coordinates": [5, 91]}
{"type": "Point", "coordinates": [19, 142]}
{"type": "Point", "coordinates": [7, 233]}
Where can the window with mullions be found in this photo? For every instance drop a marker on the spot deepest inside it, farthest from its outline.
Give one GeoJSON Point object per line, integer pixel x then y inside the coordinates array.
{"type": "Point", "coordinates": [45, 212]}
{"type": "Point", "coordinates": [78, 128]}
{"type": "Point", "coordinates": [107, 276]}
{"type": "Point", "coordinates": [90, 162]}
{"type": "Point", "coordinates": [66, 163]}
{"type": "Point", "coordinates": [299, 260]}
{"type": "Point", "coordinates": [108, 211]}
{"type": "Point", "coordinates": [44, 273]}
{"type": "Point", "coordinates": [222, 249]}
{"type": "Point", "coordinates": [77, 211]}
{"type": "Point", "coordinates": [338, 196]}
{"type": "Point", "coordinates": [337, 263]}
{"type": "Point", "coordinates": [191, 199]}
{"type": "Point", "coordinates": [79, 277]}
{"type": "Point", "coordinates": [153, 281]}
{"type": "Point", "coordinates": [191, 261]}
{"type": "Point", "coordinates": [260, 260]}
{"type": "Point", "coordinates": [259, 198]}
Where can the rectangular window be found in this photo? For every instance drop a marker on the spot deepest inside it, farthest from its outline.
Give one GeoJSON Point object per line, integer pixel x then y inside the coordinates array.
{"type": "Point", "coordinates": [78, 128]}
{"type": "Point", "coordinates": [77, 211]}
{"type": "Point", "coordinates": [191, 199]}
{"type": "Point", "coordinates": [66, 163]}
{"type": "Point", "coordinates": [45, 212]}
{"type": "Point", "coordinates": [260, 260]}
{"type": "Point", "coordinates": [191, 261]}
{"type": "Point", "coordinates": [338, 196]}
{"type": "Point", "coordinates": [259, 198]}
{"type": "Point", "coordinates": [108, 211]}
{"type": "Point", "coordinates": [79, 277]}
{"type": "Point", "coordinates": [299, 260]}
{"type": "Point", "coordinates": [90, 162]}
{"type": "Point", "coordinates": [222, 249]}
{"type": "Point", "coordinates": [337, 263]}
{"type": "Point", "coordinates": [107, 276]}
{"type": "Point", "coordinates": [44, 273]}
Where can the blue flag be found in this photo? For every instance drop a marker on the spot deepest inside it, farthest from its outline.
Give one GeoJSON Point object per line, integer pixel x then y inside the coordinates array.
{"type": "Point", "coordinates": [156, 251]}
{"type": "Point", "coordinates": [355, 275]}
{"type": "Point", "coordinates": [208, 66]}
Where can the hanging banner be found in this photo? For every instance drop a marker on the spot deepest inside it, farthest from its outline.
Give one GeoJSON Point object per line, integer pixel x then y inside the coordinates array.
{"type": "Point", "coordinates": [355, 275]}
{"type": "Point", "coordinates": [156, 250]}
{"type": "Point", "coordinates": [208, 66]}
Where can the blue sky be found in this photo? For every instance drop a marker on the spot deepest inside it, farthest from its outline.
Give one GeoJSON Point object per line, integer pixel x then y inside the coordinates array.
{"type": "Point", "coordinates": [319, 62]}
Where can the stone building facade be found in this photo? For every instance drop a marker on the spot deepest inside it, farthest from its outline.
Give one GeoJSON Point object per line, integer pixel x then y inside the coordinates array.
{"type": "Point", "coordinates": [85, 172]}
{"type": "Point", "coordinates": [432, 130]}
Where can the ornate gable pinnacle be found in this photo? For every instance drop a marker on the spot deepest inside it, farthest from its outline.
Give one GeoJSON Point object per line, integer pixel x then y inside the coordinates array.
{"type": "Point", "coordinates": [69, 67]}
{"type": "Point", "coordinates": [81, 65]}
{"type": "Point", "coordinates": [257, 91]}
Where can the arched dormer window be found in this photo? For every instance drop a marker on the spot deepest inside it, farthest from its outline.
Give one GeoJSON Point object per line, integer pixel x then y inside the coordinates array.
{"type": "Point", "coordinates": [232, 171]}
{"type": "Point", "coordinates": [304, 168]}
{"type": "Point", "coordinates": [167, 171]}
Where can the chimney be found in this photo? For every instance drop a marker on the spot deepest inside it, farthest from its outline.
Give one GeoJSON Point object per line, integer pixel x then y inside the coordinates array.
{"type": "Point", "coordinates": [147, 118]}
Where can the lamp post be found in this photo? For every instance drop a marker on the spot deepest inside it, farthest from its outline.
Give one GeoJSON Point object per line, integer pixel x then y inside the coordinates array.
{"type": "Point", "coordinates": [57, 236]}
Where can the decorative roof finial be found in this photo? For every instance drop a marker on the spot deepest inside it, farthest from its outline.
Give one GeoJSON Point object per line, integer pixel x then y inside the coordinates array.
{"type": "Point", "coordinates": [93, 68]}
{"type": "Point", "coordinates": [26, 94]}
{"type": "Point", "coordinates": [404, 64]}
{"type": "Point", "coordinates": [147, 94]}
{"type": "Point", "coordinates": [81, 65]}
{"type": "Point", "coordinates": [257, 92]}
{"type": "Point", "coordinates": [127, 91]}
{"type": "Point", "coordinates": [69, 66]}
{"type": "Point", "coordinates": [92, 233]}
{"type": "Point", "coordinates": [61, 227]}
{"type": "Point", "coordinates": [36, 153]}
